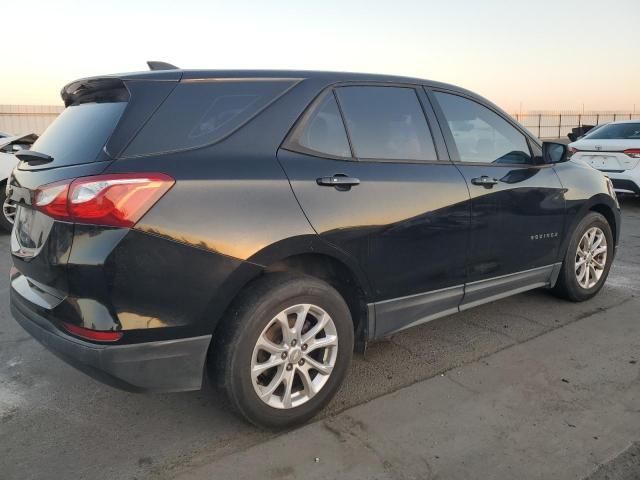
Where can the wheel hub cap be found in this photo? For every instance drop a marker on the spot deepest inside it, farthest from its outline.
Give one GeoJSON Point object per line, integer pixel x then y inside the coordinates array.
{"type": "Point", "coordinates": [294, 356]}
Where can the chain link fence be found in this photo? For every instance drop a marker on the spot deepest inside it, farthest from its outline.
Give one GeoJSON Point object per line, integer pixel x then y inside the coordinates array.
{"type": "Point", "coordinates": [557, 125]}
{"type": "Point", "coordinates": [23, 119]}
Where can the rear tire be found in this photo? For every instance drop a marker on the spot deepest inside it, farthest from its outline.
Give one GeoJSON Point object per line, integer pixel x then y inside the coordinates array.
{"type": "Point", "coordinates": [586, 265]}
{"type": "Point", "coordinates": [5, 224]}
{"type": "Point", "coordinates": [300, 325]}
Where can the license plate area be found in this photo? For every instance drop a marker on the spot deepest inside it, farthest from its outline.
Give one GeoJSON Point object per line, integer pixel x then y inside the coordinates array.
{"type": "Point", "coordinates": [31, 232]}
{"type": "Point", "coordinates": [604, 162]}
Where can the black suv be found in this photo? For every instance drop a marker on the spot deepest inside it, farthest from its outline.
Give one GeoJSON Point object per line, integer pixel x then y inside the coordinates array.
{"type": "Point", "coordinates": [263, 225]}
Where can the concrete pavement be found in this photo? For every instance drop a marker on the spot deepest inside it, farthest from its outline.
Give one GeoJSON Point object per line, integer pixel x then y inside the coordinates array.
{"type": "Point", "coordinates": [57, 423]}
{"type": "Point", "coordinates": [554, 407]}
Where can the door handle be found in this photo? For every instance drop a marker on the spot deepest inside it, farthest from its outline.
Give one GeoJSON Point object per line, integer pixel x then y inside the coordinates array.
{"type": "Point", "coordinates": [339, 181]}
{"type": "Point", "coordinates": [486, 182]}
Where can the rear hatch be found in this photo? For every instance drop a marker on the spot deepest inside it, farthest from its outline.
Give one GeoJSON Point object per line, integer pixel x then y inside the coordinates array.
{"type": "Point", "coordinates": [75, 145]}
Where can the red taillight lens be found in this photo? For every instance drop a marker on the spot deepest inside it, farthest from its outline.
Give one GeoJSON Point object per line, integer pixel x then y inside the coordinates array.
{"type": "Point", "coordinates": [52, 199]}
{"type": "Point", "coordinates": [93, 335]}
{"type": "Point", "coordinates": [573, 150]}
{"type": "Point", "coordinates": [118, 200]}
{"type": "Point", "coordinates": [633, 152]}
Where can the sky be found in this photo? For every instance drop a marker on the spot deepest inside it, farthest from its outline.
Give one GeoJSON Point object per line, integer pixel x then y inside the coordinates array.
{"type": "Point", "coordinates": [523, 55]}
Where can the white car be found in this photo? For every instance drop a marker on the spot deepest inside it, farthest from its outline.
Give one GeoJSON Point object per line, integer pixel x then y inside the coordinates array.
{"type": "Point", "coordinates": [614, 149]}
{"type": "Point", "coordinates": [8, 161]}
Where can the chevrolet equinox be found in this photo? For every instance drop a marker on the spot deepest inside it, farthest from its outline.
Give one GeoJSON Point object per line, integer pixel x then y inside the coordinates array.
{"type": "Point", "coordinates": [261, 226]}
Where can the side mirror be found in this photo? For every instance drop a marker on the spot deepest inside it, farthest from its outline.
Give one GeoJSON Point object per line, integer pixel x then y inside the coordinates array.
{"type": "Point", "coordinates": [554, 152]}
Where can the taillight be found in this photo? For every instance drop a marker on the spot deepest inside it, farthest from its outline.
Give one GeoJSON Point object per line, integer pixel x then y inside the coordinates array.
{"type": "Point", "coordinates": [117, 200]}
{"type": "Point", "coordinates": [573, 150]}
{"type": "Point", "coordinates": [633, 152]}
{"type": "Point", "coordinates": [93, 335]}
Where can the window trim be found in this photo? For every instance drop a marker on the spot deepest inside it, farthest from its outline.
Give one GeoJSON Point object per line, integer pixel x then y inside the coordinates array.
{"type": "Point", "coordinates": [290, 142]}
{"type": "Point", "coordinates": [450, 141]}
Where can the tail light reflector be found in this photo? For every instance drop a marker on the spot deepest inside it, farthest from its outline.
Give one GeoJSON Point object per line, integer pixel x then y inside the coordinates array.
{"type": "Point", "coordinates": [93, 335]}
{"type": "Point", "coordinates": [117, 200]}
{"type": "Point", "coordinates": [633, 152]}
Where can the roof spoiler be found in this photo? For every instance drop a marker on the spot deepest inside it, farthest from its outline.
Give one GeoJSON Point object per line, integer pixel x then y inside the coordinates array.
{"type": "Point", "coordinates": [154, 65]}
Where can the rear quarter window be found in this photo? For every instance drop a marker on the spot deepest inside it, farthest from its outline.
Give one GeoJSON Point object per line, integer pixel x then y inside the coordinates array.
{"type": "Point", "coordinates": [200, 113]}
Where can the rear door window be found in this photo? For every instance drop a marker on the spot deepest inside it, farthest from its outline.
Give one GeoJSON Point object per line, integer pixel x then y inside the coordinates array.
{"type": "Point", "coordinates": [79, 133]}
{"type": "Point", "coordinates": [386, 123]}
{"type": "Point", "coordinates": [200, 113]}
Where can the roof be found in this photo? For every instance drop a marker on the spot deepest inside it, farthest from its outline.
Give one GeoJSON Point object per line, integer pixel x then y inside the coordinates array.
{"type": "Point", "coordinates": [325, 76]}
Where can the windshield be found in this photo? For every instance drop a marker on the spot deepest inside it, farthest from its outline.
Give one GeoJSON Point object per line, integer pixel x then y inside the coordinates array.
{"type": "Point", "coordinates": [616, 131]}
{"type": "Point", "coordinates": [79, 133]}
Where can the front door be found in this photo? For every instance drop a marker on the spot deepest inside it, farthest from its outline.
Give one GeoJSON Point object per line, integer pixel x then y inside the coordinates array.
{"type": "Point", "coordinates": [382, 191]}
{"type": "Point", "coordinates": [517, 203]}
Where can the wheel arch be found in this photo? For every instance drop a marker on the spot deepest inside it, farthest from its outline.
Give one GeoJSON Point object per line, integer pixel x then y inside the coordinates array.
{"type": "Point", "coordinates": [600, 203]}
{"type": "Point", "coordinates": [308, 255]}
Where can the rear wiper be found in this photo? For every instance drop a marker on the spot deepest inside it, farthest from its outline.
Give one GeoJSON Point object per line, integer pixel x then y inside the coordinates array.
{"type": "Point", "coordinates": [33, 158]}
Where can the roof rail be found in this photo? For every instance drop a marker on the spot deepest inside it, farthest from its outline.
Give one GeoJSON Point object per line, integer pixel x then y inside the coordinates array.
{"type": "Point", "coordinates": [154, 65]}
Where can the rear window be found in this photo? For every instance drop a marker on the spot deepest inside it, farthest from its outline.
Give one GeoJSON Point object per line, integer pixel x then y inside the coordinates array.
{"type": "Point", "coordinates": [201, 113]}
{"type": "Point", "coordinates": [616, 131]}
{"type": "Point", "coordinates": [79, 133]}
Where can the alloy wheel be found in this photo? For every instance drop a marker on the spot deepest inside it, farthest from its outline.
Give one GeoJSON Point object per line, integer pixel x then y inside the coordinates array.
{"type": "Point", "coordinates": [294, 356]}
{"type": "Point", "coordinates": [9, 210]}
{"type": "Point", "coordinates": [591, 257]}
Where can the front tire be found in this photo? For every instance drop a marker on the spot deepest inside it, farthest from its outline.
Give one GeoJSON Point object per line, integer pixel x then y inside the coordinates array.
{"type": "Point", "coordinates": [284, 350]}
{"type": "Point", "coordinates": [588, 260]}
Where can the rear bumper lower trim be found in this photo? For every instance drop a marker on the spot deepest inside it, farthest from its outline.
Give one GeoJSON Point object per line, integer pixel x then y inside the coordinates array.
{"type": "Point", "coordinates": [161, 366]}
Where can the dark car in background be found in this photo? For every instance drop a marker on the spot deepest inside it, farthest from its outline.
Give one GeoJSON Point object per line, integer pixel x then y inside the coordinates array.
{"type": "Point", "coordinates": [263, 225]}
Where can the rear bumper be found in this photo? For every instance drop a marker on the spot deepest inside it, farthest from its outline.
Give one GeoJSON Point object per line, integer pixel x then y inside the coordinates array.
{"type": "Point", "coordinates": [160, 366]}
{"type": "Point", "coordinates": [625, 185]}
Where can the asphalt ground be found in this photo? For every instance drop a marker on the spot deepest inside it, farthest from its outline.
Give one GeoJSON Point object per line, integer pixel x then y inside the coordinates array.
{"type": "Point", "coordinates": [57, 423]}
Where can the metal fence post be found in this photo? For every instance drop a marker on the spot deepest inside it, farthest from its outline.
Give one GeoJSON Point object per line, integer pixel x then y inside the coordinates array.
{"type": "Point", "coordinates": [579, 120]}
{"type": "Point", "coordinates": [597, 119]}
{"type": "Point", "coordinates": [614, 117]}
{"type": "Point", "coordinates": [539, 125]}
{"type": "Point", "coordinates": [559, 124]}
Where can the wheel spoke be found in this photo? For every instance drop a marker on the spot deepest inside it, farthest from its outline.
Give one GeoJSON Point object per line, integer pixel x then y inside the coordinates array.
{"type": "Point", "coordinates": [307, 383]}
{"type": "Point", "coordinates": [597, 242]}
{"type": "Point", "coordinates": [288, 386]}
{"type": "Point", "coordinates": [301, 317]}
{"type": "Point", "coordinates": [586, 276]}
{"type": "Point", "coordinates": [267, 391]}
{"type": "Point", "coordinates": [582, 274]}
{"type": "Point", "coordinates": [316, 343]}
{"type": "Point", "coordinates": [580, 263]}
{"type": "Point", "coordinates": [273, 362]}
{"type": "Point", "coordinates": [598, 263]}
{"type": "Point", "coordinates": [283, 323]}
{"type": "Point", "coordinates": [268, 346]}
{"type": "Point", "coordinates": [600, 250]}
{"type": "Point", "coordinates": [320, 367]}
{"type": "Point", "coordinates": [594, 274]}
{"type": "Point", "coordinates": [316, 329]}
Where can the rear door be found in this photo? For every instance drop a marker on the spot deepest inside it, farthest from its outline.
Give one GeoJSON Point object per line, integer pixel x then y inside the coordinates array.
{"type": "Point", "coordinates": [383, 191]}
{"type": "Point", "coordinates": [517, 203]}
